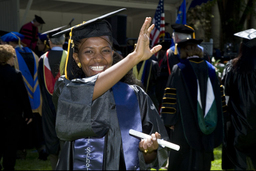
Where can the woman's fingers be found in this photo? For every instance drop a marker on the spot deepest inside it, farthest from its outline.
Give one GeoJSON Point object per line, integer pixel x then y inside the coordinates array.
{"type": "Point", "coordinates": [151, 28]}
{"type": "Point", "coordinates": [151, 143]}
{"type": "Point", "coordinates": [155, 49]}
{"type": "Point", "coordinates": [145, 26]}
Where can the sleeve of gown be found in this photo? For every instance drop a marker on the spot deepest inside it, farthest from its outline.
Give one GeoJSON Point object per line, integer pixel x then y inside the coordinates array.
{"type": "Point", "coordinates": [24, 97]}
{"type": "Point", "coordinates": [151, 123]}
{"type": "Point", "coordinates": [74, 118]}
{"type": "Point", "coordinates": [169, 110]}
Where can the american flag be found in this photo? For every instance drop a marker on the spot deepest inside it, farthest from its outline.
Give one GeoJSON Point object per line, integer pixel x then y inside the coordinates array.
{"type": "Point", "coordinates": [158, 20]}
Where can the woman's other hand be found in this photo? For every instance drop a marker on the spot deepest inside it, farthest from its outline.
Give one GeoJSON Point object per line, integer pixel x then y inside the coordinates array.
{"type": "Point", "coordinates": [149, 147]}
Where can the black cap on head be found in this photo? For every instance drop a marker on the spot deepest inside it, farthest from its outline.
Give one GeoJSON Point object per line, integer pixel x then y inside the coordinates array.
{"type": "Point", "coordinates": [249, 37]}
{"type": "Point", "coordinates": [54, 31]}
{"type": "Point", "coordinates": [93, 28]}
{"type": "Point", "coordinates": [181, 28]}
{"type": "Point", "coordinates": [189, 41]}
{"type": "Point", "coordinates": [39, 19]}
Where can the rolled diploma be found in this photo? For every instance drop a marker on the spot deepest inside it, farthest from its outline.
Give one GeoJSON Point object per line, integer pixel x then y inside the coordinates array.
{"type": "Point", "coordinates": [161, 142]}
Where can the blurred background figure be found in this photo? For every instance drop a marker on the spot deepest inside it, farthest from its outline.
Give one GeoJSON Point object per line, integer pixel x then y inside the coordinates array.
{"type": "Point", "coordinates": [192, 109]}
{"type": "Point", "coordinates": [171, 56]}
{"type": "Point", "coordinates": [147, 72]}
{"type": "Point", "coordinates": [51, 67]}
{"type": "Point", "coordinates": [239, 78]}
{"type": "Point", "coordinates": [30, 31]}
{"type": "Point", "coordinates": [14, 105]}
{"type": "Point", "coordinates": [27, 63]}
{"type": "Point", "coordinates": [42, 45]}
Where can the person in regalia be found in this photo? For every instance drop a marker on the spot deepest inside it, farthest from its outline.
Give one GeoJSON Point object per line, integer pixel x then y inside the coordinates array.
{"type": "Point", "coordinates": [97, 104]}
{"type": "Point", "coordinates": [239, 78]}
{"type": "Point", "coordinates": [14, 105]}
{"type": "Point", "coordinates": [30, 31]}
{"type": "Point", "coordinates": [192, 109]}
{"type": "Point", "coordinates": [27, 63]}
{"type": "Point", "coordinates": [51, 67]}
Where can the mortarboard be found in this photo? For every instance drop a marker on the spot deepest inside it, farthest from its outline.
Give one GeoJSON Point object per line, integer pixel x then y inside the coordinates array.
{"type": "Point", "coordinates": [189, 41]}
{"type": "Point", "coordinates": [44, 39]}
{"type": "Point", "coordinates": [249, 37]}
{"type": "Point", "coordinates": [182, 28]}
{"type": "Point", "coordinates": [42, 36]}
{"type": "Point", "coordinates": [39, 19]}
{"type": "Point", "coordinates": [50, 33]}
{"type": "Point", "coordinates": [12, 37]}
{"type": "Point", "coordinates": [95, 27]}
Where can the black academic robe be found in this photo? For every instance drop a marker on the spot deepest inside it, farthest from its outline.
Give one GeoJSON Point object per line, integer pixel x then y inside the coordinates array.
{"type": "Point", "coordinates": [241, 135]}
{"type": "Point", "coordinates": [180, 109]}
{"type": "Point", "coordinates": [99, 118]}
{"type": "Point", "coordinates": [14, 103]}
{"type": "Point", "coordinates": [47, 75]}
{"type": "Point", "coordinates": [149, 78]}
{"type": "Point", "coordinates": [164, 71]}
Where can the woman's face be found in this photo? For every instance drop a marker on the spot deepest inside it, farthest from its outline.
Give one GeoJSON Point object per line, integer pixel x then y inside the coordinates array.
{"type": "Point", "coordinates": [95, 55]}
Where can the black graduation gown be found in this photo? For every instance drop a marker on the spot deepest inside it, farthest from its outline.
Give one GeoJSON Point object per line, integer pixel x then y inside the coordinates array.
{"type": "Point", "coordinates": [99, 117]}
{"type": "Point", "coordinates": [241, 90]}
{"type": "Point", "coordinates": [179, 109]}
{"type": "Point", "coordinates": [151, 71]}
{"type": "Point", "coordinates": [164, 71]}
{"type": "Point", "coordinates": [14, 102]}
{"type": "Point", "coordinates": [14, 98]}
{"type": "Point", "coordinates": [48, 110]}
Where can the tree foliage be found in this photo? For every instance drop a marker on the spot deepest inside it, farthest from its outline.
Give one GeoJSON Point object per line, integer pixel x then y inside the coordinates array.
{"type": "Point", "coordinates": [235, 16]}
{"type": "Point", "coordinates": [200, 17]}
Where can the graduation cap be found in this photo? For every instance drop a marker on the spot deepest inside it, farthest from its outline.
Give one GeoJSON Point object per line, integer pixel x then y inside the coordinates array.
{"type": "Point", "coordinates": [189, 41]}
{"type": "Point", "coordinates": [50, 33]}
{"type": "Point", "coordinates": [12, 37]}
{"type": "Point", "coordinates": [249, 37]}
{"type": "Point", "coordinates": [44, 39]}
{"type": "Point", "coordinates": [182, 28]}
{"type": "Point", "coordinates": [39, 19]}
{"type": "Point", "coordinates": [95, 27]}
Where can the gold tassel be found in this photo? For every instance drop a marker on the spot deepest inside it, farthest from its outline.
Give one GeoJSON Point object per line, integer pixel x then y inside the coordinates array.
{"type": "Point", "coordinates": [69, 42]}
{"type": "Point", "coordinates": [193, 35]}
{"type": "Point", "coordinates": [176, 49]}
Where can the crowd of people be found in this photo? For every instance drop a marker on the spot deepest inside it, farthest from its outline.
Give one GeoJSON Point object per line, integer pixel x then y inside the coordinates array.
{"type": "Point", "coordinates": [79, 100]}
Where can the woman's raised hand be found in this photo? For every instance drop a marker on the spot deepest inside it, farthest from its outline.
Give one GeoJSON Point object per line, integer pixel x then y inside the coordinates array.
{"type": "Point", "coordinates": [142, 50]}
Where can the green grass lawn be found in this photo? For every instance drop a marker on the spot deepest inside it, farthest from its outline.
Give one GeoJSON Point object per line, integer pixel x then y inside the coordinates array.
{"type": "Point", "coordinates": [32, 163]}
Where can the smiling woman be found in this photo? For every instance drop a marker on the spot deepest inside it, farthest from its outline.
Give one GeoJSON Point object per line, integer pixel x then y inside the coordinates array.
{"type": "Point", "coordinates": [96, 106]}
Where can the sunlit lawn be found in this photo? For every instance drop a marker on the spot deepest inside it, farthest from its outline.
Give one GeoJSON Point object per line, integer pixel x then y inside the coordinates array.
{"type": "Point", "coordinates": [32, 163]}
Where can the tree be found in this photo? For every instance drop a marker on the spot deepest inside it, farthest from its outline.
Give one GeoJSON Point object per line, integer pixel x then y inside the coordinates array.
{"type": "Point", "coordinates": [233, 16]}
{"type": "Point", "coordinates": [199, 18]}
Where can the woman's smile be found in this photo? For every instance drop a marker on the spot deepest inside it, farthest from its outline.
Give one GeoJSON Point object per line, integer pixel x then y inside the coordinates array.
{"type": "Point", "coordinates": [97, 68]}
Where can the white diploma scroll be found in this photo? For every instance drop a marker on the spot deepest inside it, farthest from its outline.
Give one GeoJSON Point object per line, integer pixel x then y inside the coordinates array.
{"type": "Point", "coordinates": [161, 142]}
